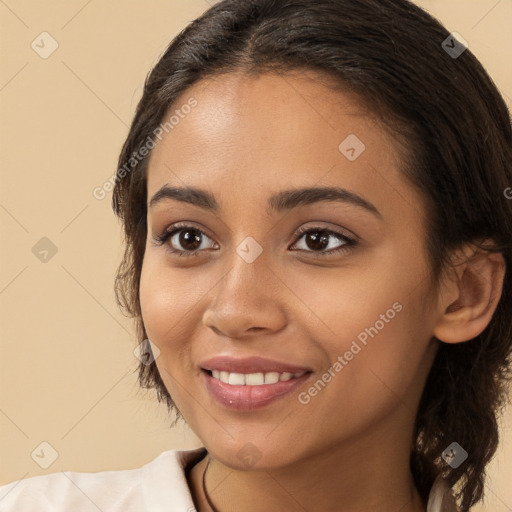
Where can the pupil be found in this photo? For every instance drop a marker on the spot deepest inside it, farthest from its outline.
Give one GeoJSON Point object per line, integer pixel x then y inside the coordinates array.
{"type": "Point", "coordinates": [319, 241]}
{"type": "Point", "coordinates": [188, 238]}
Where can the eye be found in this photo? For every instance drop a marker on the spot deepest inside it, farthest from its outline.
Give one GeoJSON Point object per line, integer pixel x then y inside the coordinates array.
{"type": "Point", "coordinates": [186, 240]}
{"type": "Point", "coordinates": [318, 239]}
{"type": "Point", "coordinates": [191, 240]}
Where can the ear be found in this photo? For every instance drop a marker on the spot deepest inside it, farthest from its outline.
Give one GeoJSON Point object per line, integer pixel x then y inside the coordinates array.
{"type": "Point", "coordinates": [469, 294]}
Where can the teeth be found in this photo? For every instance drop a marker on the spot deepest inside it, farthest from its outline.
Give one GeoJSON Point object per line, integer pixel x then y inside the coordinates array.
{"type": "Point", "coordinates": [236, 379]}
{"type": "Point", "coordinates": [254, 379]}
{"type": "Point", "coordinates": [271, 377]}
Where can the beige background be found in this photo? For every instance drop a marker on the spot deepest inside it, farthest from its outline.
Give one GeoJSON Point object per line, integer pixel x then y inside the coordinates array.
{"type": "Point", "coordinates": [67, 366]}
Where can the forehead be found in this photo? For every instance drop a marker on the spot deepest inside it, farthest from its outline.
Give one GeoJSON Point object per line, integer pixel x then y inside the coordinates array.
{"type": "Point", "coordinates": [268, 115]}
{"type": "Point", "coordinates": [275, 131]}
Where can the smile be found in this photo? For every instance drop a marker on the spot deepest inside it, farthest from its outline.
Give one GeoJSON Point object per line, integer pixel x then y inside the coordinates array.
{"type": "Point", "coordinates": [250, 391]}
{"type": "Point", "coordinates": [254, 379]}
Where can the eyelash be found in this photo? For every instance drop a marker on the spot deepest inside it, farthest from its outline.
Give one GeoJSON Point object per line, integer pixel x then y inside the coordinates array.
{"type": "Point", "coordinates": [349, 242]}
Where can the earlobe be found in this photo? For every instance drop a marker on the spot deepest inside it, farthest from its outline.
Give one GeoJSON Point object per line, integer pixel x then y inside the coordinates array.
{"type": "Point", "coordinates": [470, 298]}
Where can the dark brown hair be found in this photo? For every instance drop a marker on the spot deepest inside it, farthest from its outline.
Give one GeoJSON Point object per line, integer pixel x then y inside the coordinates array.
{"type": "Point", "coordinates": [457, 132]}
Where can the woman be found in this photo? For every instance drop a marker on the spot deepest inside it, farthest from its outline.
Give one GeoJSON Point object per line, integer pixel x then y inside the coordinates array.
{"type": "Point", "coordinates": [318, 238]}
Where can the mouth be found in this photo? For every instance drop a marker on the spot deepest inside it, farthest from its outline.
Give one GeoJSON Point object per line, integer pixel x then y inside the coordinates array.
{"type": "Point", "coordinates": [251, 391]}
{"type": "Point", "coordinates": [253, 379]}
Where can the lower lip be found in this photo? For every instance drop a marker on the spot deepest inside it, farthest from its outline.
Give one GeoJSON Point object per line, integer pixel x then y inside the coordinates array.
{"type": "Point", "coordinates": [248, 398]}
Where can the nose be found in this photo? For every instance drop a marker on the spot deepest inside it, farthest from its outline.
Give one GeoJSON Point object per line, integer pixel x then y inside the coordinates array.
{"type": "Point", "coordinates": [247, 301]}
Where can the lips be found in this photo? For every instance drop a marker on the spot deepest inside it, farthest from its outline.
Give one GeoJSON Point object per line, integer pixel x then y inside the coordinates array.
{"type": "Point", "coordinates": [250, 365]}
{"type": "Point", "coordinates": [250, 383]}
{"type": "Point", "coordinates": [247, 397]}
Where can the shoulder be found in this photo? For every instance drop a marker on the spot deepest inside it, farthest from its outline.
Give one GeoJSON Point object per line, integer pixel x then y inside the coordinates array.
{"type": "Point", "coordinates": [73, 491]}
{"type": "Point", "coordinates": [160, 481]}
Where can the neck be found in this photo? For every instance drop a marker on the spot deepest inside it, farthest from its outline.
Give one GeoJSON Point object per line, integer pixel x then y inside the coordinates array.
{"type": "Point", "coordinates": [333, 480]}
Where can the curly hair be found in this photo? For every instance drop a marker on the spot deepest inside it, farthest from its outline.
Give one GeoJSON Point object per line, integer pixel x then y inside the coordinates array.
{"type": "Point", "coordinates": [455, 135]}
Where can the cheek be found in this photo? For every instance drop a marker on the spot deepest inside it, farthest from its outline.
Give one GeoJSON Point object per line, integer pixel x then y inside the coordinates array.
{"type": "Point", "coordinates": [172, 303]}
{"type": "Point", "coordinates": [158, 302]}
{"type": "Point", "coordinates": [168, 316]}
{"type": "Point", "coordinates": [365, 293]}
{"type": "Point", "coordinates": [374, 371]}
{"type": "Point", "coordinates": [374, 320]}
{"type": "Point", "coordinates": [168, 299]}
{"type": "Point", "coordinates": [164, 308]}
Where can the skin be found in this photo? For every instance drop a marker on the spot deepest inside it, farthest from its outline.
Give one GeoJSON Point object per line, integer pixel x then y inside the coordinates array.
{"type": "Point", "coordinates": [348, 448]}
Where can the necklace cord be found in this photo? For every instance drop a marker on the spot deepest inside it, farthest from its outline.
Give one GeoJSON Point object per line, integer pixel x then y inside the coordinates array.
{"type": "Point", "coordinates": [204, 486]}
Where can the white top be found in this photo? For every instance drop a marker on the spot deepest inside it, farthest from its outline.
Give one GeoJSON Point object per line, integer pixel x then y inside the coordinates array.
{"type": "Point", "coordinates": [159, 486]}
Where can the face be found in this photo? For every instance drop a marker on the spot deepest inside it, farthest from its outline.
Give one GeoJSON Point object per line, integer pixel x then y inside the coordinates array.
{"type": "Point", "coordinates": [331, 283]}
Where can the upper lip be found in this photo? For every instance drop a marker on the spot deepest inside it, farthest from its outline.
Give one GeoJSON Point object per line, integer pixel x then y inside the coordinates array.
{"type": "Point", "coordinates": [249, 365]}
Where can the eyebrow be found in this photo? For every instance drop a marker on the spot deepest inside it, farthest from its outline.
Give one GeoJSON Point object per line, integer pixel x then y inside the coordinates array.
{"type": "Point", "coordinates": [281, 201]}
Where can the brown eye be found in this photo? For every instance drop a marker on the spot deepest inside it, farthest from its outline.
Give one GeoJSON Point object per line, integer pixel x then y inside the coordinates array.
{"type": "Point", "coordinates": [189, 239]}
{"type": "Point", "coordinates": [185, 240]}
{"type": "Point", "coordinates": [317, 240]}
{"type": "Point", "coordinates": [323, 241]}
